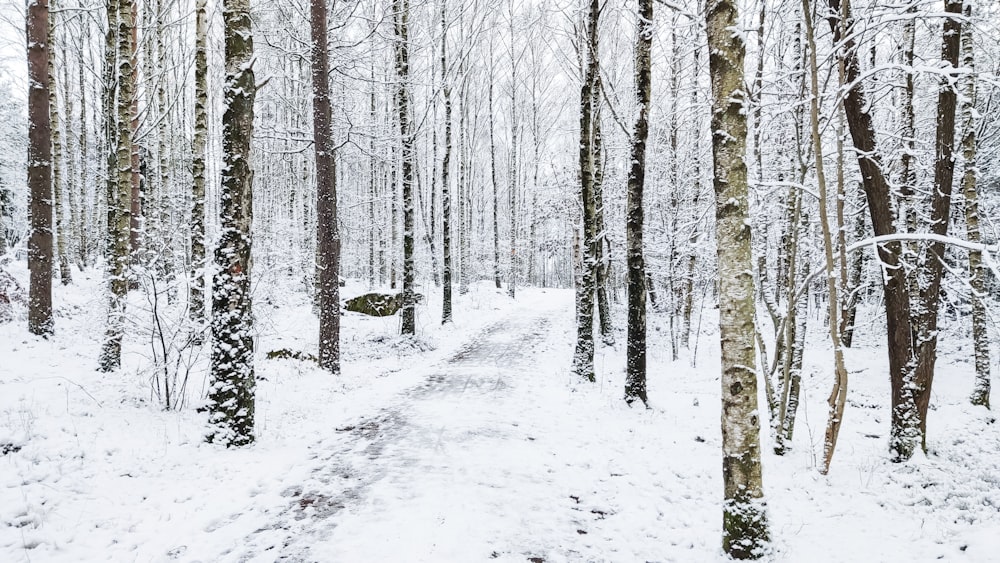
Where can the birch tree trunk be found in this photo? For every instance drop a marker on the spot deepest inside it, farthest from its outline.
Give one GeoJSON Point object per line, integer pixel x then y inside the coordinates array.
{"type": "Point", "coordinates": [231, 394]}
{"type": "Point", "coordinates": [446, 262]}
{"type": "Point", "coordinates": [493, 172]}
{"type": "Point", "coordinates": [583, 357]}
{"type": "Point", "coordinates": [119, 200]}
{"type": "Point", "coordinates": [401, 9]}
{"type": "Point", "coordinates": [327, 231]}
{"type": "Point", "coordinates": [58, 155]}
{"type": "Point", "coordinates": [744, 521]}
{"type": "Point", "coordinates": [196, 295]}
{"type": "Point", "coordinates": [514, 157]}
{"type": "Point", "coordinates": [39, 170]}
{"type": "Point", "coordinates": [977, 272]}
{"type": "Point", "coordinates": [635, 359]}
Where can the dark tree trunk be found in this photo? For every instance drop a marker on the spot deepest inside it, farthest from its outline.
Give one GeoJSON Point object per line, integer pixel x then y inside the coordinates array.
{"type": "Point", "coordinates": [635, 360]}
{"type": "Point", "coordinates": [39, 171]}
{"type": "Point", "coordinates": [327, 231]}
{"type": "Point", "coordinates": [902, 360]}
{"type": "Point", "coordinates": [929, 284]}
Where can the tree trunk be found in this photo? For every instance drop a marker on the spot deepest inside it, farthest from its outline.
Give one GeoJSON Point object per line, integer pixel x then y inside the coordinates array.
{"type": "Point", "coordinates": [688, 307]}
{"type": "Point", "coordinates": [512, 180]}
{"type": "Point", "coordinates": [902, 361]}
{"type": "Point", "coordinates": [231, 394]}
{"type": "Point", "coordinates": [446, 313]}
{"type": "Point", "coordinates": [402, 16]}
{"type": "Point", "coordinates": [327, 231]}
{"type": "Point", "coordinates": [635, 359]}
{"type": "Point", "coordinates": [199, 149]}
{"type": "Point", "coordinates": [39, 171]}
{"type": "Point", "coordinates": [493, 174]}
{"type": "Point", "coordinates": [58, 154]}
{"type": "Point", "coordinates": [135, 199]}
{"type": "Point", "coordinates": [744, 521]}
{"type": "Point", "coordinates": [583, 357]}
{"type": "Point", "coordinates": [977, 272]}
{"type": "Point", "coordinates": [839, 394]}
{"type": "Point", "coordinates": [602, 246]}
{"type": "Point", "coordinates": [120, 198]}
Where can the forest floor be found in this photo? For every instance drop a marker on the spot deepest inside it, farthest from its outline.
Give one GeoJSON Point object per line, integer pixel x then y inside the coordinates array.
{"type": "Point", "coordinates": [470, 443]}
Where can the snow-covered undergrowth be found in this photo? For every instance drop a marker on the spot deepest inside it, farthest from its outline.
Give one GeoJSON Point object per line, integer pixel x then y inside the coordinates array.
{"type": "Point", "coordinates": [470, 443]}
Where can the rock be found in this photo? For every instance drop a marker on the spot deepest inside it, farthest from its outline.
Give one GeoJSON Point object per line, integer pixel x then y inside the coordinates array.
{"type": "Point", "coordinates": [377, 304]}
{"type": "Point", "coordinates": [10, 294]}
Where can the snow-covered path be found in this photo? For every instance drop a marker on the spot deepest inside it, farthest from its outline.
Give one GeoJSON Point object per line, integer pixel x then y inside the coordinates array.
{"type": "Point", "coordinates": [473, 464]}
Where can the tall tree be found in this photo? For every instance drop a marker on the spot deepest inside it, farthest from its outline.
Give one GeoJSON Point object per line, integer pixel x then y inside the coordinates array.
{"type": "Point", "coordinates": [327, 232]}
{"type": "Point", "coordinates": [231, 395]}
{"type": "Point", "coordinates": [58, 156]}
{"type": "Point", "coordinates": [970, 189]}
{"type": "Point", "coordinates": [911, 319]}
{"type": "Point", "coordinates": [119, 199]}
{"type": "Point", "coordinates": [447, 263]}
{"type": "Point", "coordinates": [39, 170]}
{"type": "Point", "coordinates": [401, 17]}
{"type": "Point", "coordinates": [744, 520]}
{"type": "Point", "coordinates": [583, 357]}
{"type": "Point", "coordinates": [199, 150]}
{"type": "Point", "coordinates": [514, 160]}
{"type": "Point", "coordinates": [839, 394]}
{"type": "Point", "coordinates": [635, 359]}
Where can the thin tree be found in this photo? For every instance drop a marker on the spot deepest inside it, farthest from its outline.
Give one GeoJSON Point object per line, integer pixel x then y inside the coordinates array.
{"type": "Point", "coordinates": [744, 520]}
{"type": "Point", "coordinates": [401, 16]}
{"type": "Point", "coordinates": [39, 171]}
{"type": "Point", "coordinates": [327, 232]}
{"type": "Point", "coordinates": [635, 359]}
{"type": "Point", "coordinates": [446, 287]}
{"type": "Point", "coordinates": [231, 395]}
{"type": "Point", "coordinates": [58, 156]}
{"type": "Point", "coordinates": [196, 297]}
{"type": "Point", "coordinates": [514, 158]}
{"type": "Point", "coordinates": [583, 357]}
{"type": "Point", "coordinates": [980, 338]}
{"type": "Point", "coordinates": [839, 394]}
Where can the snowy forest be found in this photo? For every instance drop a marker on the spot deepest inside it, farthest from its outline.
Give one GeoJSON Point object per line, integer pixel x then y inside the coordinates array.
{"type": "Point", "coordinates": [499, 280]}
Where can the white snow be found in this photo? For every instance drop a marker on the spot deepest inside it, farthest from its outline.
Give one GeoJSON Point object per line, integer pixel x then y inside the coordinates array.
{"type": "Point", "coordinates": [472, 442]}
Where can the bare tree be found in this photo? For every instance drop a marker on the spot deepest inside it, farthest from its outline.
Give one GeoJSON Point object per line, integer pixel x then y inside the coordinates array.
{"type": "Point", "coordinates": [635, 360]}
{"type": "Point", "coordinates": [401, 16]}
{"type": "Point", "coordinates": [327, 232]}
{"type": "Point", "coordinates": [231, 395]}
{"type": "Point", "coordinates": [39, 170]}
{"type": "Point", "coordinates": [744, 521]}
{"type": "Point", "coordinates": [199, 151]}
{"type": "Point", "coordinates": [970, 189]}
{"type": "Point", "coordinates": [119, 199]}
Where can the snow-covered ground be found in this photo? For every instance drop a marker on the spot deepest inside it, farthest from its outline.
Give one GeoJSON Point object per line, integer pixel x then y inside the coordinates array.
{"type": "Point", "coordinates": [471, 443]}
